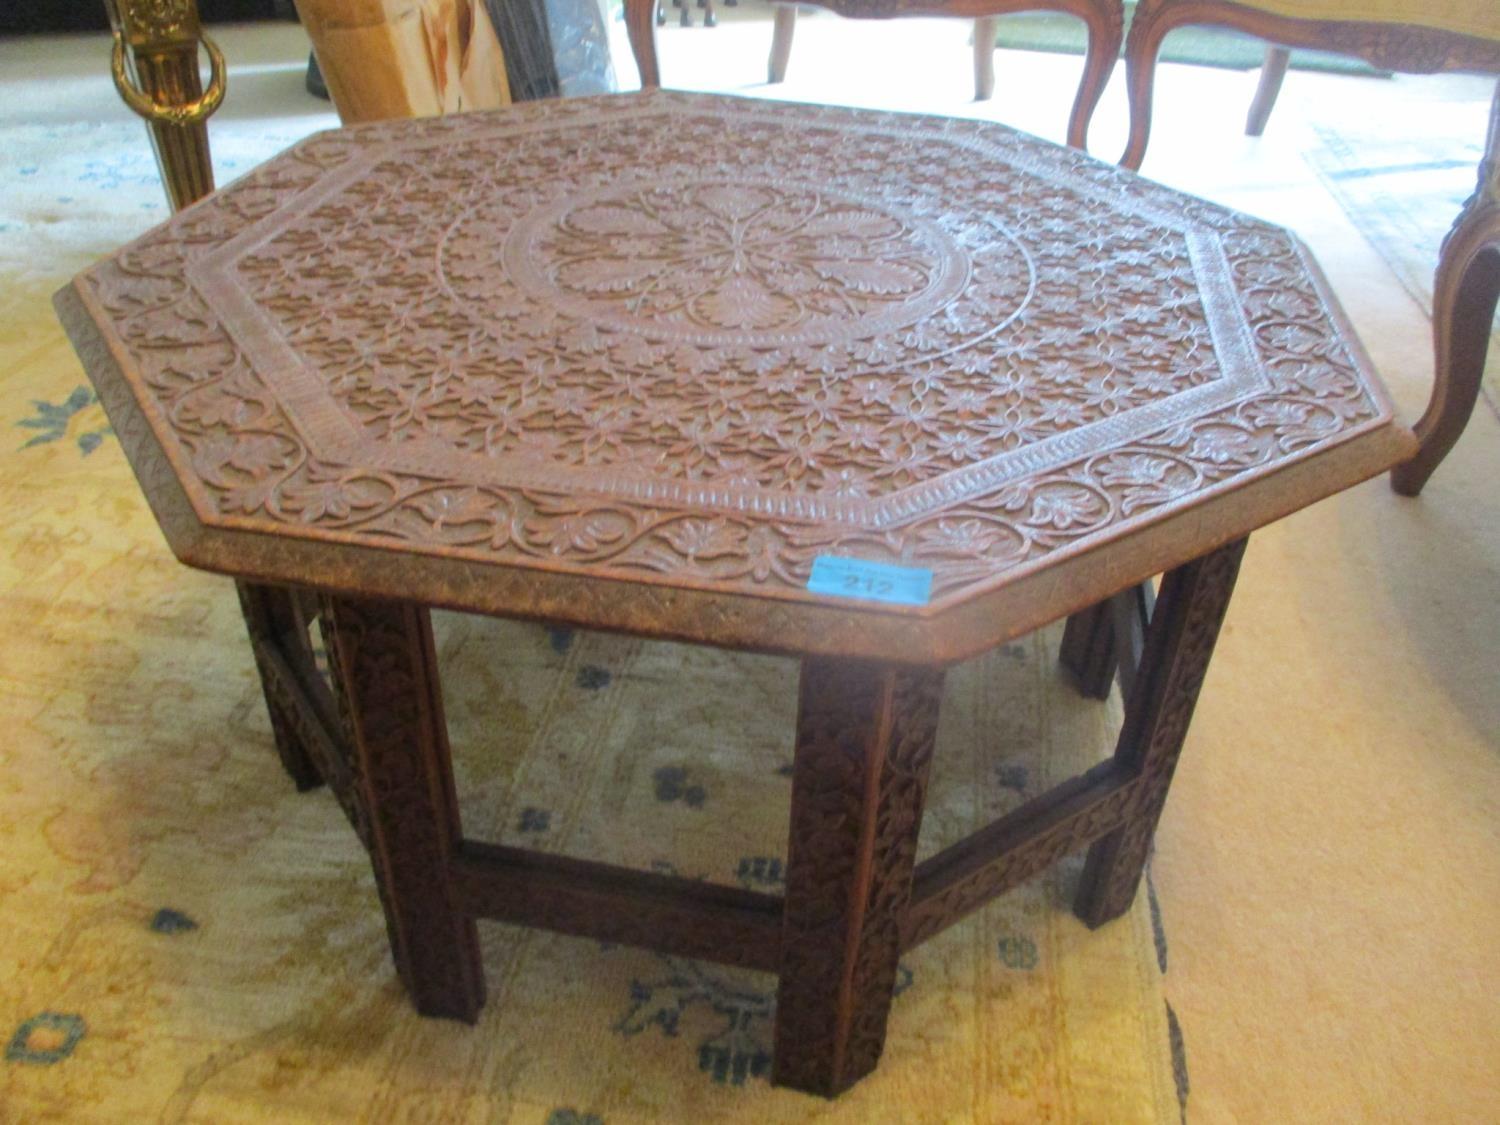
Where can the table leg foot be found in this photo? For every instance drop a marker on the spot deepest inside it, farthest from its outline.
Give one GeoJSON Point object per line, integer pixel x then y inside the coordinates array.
{"type": "Point", "coordinates": [1087, 651]}
{"type": "Point", "coordinates": [1179, 642]}
{"type": "Point", "coordinates": [393, 711]}
{"type": "Point", "coordinates": [865, 735]}
{"type": "Point", "coordinates": [273, 623]}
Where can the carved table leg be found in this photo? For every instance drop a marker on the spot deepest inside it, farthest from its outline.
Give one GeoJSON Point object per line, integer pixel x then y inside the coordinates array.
{"type": "Point", "coordinates": [865, 735]}
{"type": "Point", "coordinates": [1184, 626]}
{"type": "Point", "coordinates": [275, 629]}
{"type": "Point", "coordinates": [384, 656]}
{"type": "Point", "coordinates": [785, 16]}
{"type": "Point", "coordinates": [1105, 640]}
{"type": "Point", "coordinates": [1463, 308]}
{"type": "Point", "coordinates": [1088, 649]}
{"type": "Point", "coordinates": [1272, 72]}
{"type": "Point", "coordinates": [985, 29]}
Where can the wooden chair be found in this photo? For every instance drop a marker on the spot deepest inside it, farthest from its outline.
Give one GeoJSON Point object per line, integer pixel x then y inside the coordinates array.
{"type": "Point", "coordinates": [1104, 18]}
{"type": "Point", "coordinates": [1415, 36]}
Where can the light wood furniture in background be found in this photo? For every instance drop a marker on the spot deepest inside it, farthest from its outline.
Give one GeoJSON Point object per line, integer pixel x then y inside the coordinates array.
{"type": "Point", "coordinates": [1412, 36]}
{"type": "Point", "coordinates": [1104, 18]}
{"type": "Point", "coordinates": [406, 58]}
{"type": "Point", "coordinates": [1464, 297]}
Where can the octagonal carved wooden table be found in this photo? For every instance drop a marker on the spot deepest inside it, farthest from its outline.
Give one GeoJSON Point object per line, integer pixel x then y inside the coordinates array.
{"type": "Point", "coordinates": [878, 391]}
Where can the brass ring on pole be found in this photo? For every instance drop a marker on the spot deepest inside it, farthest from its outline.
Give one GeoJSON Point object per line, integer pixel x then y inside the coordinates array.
{"type": "Point", "coordinates": [190, 113]}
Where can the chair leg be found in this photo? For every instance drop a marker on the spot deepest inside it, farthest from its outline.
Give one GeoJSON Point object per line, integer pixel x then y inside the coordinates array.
{"type": "Point", "coordinates": [1148, 27]}
{"type": "Point", "coordinates": [1184, 626]}
{"type": "Point", "coordinates": [785, 16]}
{"type": "Point", "coordinates": [1272, 71]}
{"type": "Point", "coordinates": [984, 57]}
{"type": "Point", "coordinates": [642, 17]}
{"type": "Point", "coordinates": [865, 735]}
{"type": "Point", "coordinates": [1463, 308]}
{"type": "Point", "coordinates": [1106, 28]}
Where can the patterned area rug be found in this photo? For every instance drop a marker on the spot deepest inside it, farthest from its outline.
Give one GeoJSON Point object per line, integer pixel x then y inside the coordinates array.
{"type": "Point", "coordinates": [190, 940]}
{"type": "Point", "coordinates": [1402, 183]}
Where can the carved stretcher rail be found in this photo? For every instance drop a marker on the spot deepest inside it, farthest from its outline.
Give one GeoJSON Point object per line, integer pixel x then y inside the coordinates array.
{"type": "Point", "coordinates": [609, 903]}
{"type": "Point", "coordinates": [731, 926]}
{"type": "Point", "coordinates": [969, 874]}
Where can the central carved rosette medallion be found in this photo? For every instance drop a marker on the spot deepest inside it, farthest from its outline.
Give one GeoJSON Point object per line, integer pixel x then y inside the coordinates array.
{"type": "Point", "coordinates": [720, 261]}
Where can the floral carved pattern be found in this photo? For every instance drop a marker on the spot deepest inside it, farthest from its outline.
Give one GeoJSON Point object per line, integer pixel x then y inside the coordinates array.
{"type": "Point", "coordinates": [766, 259]}
{"type": "Point", "coordinates": [383, 337]}
{"type": "Point", "coordinates": [162, 19]}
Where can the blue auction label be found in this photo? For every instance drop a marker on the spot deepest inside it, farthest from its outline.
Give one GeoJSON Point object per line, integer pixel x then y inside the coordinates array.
{"type": "Point", "coordinates": [880, 582]}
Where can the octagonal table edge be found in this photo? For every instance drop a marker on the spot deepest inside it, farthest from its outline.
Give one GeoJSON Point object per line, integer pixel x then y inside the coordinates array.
{"type": "Point", "coordinates": [953, 629]}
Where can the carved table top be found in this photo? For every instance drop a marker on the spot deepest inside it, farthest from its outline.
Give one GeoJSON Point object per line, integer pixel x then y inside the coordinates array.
{"type": "Point", "coordinates": [637, 361]}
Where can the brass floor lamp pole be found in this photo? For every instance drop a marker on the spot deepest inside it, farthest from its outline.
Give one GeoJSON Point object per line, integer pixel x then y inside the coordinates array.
{"type": "Point", "coordinates": [155, 68]}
